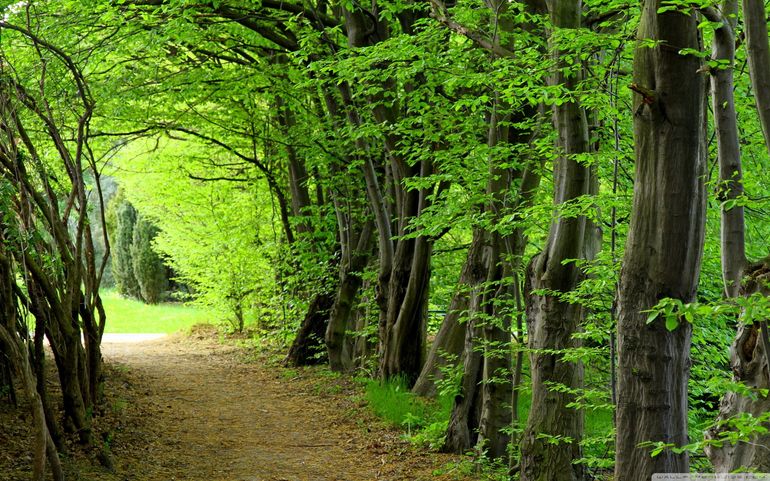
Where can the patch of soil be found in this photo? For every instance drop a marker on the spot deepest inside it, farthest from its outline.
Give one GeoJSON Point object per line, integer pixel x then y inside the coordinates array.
{"type": "Point", "coordinates": [195, 409]}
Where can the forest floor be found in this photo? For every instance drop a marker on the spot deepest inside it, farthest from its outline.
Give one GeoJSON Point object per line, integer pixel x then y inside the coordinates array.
{"type": "Point", "coordinates": [192, 408]}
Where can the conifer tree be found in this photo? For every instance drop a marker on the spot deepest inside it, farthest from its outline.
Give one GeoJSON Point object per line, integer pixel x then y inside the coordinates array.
{"type": "Point", "coordinates": [148, 268]}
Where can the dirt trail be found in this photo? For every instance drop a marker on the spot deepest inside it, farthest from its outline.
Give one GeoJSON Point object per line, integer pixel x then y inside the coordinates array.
{"type": "Point", "coordinates": [211, 417]}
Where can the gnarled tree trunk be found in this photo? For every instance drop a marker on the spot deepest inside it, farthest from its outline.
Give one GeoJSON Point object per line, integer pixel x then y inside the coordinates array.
{"type": "Point", "coordinates": [354, 261]}
{"type": "Point", "coordinates": [664, 246]}
{"type": "Point", "coordinates": [749, 365]}
{"type": "Point", "coordinates": [748, 354]}
{"type": "Point", "coordinates": [450, 339]}
{"type": "Point", "coordinates": [551, 440]}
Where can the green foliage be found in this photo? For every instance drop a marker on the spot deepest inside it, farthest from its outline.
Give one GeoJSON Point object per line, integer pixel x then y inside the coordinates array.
{"type": "Point", "coordinates": [222, 244]}
{"type": "Point", "coordinates": [425, 421]}
{"type": "Point", "coordinates": [149, 270]}
{"type": "Point", "coordinates": [204, 158]}
{"type": "Point", "coordinates": [122, 259]}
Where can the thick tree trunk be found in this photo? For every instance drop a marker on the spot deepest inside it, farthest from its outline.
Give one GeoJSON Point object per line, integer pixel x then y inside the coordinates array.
{"type": "Point", "coordinates": [462, 432]}
{"type": "Point", "coordinates": [351, 267]}
{"type": "Point", "coordinates": [408, 303]}
{"type": "Point", "coordinates": [551, 440]}
{"type": "Point", "coordinates": [308, 347]}
{"type": "Point", "coordinates": [749, 366]}
{"type": "Point", "coordinates": [450, 338]}
{"type": "Point", "coordinates": [664, 247]}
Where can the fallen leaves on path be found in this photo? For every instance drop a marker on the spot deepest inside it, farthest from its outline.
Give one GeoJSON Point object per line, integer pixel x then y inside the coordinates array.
{"type": "Point", "coordinates": [198, 410]}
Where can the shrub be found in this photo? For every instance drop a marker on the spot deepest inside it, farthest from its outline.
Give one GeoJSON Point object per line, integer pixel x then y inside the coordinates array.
{"type": "Point", "coordinates": [122, 262]}
{"type": "Point", "coordinates": [149, 271]}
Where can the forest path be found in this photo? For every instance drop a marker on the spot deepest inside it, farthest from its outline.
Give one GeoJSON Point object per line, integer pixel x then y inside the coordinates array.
{"type": "Point", "coordinates": [210, 416]}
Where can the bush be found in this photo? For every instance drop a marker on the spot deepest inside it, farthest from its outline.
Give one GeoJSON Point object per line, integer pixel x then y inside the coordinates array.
{"type": "Point", "coordinates": [122, 262]}
{"type": "Point", "coordinates": [149, 271]}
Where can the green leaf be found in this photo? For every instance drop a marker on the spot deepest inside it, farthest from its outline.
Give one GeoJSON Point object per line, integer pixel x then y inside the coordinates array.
{"type": "Point", "coordinates": [671, 323]}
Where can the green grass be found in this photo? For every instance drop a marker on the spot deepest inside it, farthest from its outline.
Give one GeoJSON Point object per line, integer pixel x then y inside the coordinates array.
{"type": "Point", "coordinates": [392, 402]}
{"type": "Point", "coordinates": [427, 420]}
{"type": "Point", "coordinates": [128, 316]}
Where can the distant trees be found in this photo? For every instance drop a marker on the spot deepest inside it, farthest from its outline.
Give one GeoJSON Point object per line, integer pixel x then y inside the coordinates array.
{"type": "Point", "coordinates": [149, 270]}
{"type": "Point", "coordinates": [122, 255]}
{"type": "Point", "coordinates": [138, 270]}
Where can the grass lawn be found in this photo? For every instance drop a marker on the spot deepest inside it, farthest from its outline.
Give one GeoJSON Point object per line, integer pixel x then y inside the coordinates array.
{"type": "Point", "coordinates": [126, 316]}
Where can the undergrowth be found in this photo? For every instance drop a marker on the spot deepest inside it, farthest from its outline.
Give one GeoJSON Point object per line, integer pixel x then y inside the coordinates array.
{"type": "Point", "coordinates": [425, 421]}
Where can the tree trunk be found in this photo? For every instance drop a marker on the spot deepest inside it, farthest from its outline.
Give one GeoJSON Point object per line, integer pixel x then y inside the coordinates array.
{"type": "Point", "coordinates": [69, 365]}
{"type": "Point", "coordinates": [351, 267]}
{"type": "Point", "coordinates": [462, 432]}
{"type": "Point", "coordinates": [664, 246]}
{"type": "Point", "coordinates": [749, 365]}
{"type": "Point", "coordinates": [729, 152]}
{"type": "Point", "coordinates": [551, 440]}
{"type": "Point", "coordinates": [450, 338]}
{"type": "Point", "coordinates": [15, 348]}
{"type": "Point", "coordinates": [6, 378]}
{"type": "Point", "coordinates": [404, 338]}
{"type": "Point", "coordinates": [11, 344]}
{"type": "Point", "coordinates": [308, 347]}
{"type": "Point", "coordinates": [39, 367]}
{"type": "Point", "coordinates": [496, 384]}
{"type": "Point", "coordinates": [748, 356]}
{"type": "Point", "coordinates": [297, 171]}
{"type": "Point", "coordinates": [363, 344]}
{"type": "Point", "coordinates": [755, 28]}
{"type": "Point", "coordinates": [93, 352]}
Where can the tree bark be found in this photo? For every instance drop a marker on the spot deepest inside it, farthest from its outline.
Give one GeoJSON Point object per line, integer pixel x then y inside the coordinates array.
{"type": "Point", "coordinates": [664, 246]}
{"type": "Point", "coordinates": [749, 365]}
{"type": "Point", "coordinates": [462, 432]}
{"type": "Point", "coordinates": [13, 346]}
{"type": "Point", "coordinates": [728, 149]}
{"type": "Point", "coordinates": [450, 339]}
{"type": "Point", "coordinates": [308, 347]}
{"type": "Point", "coordinates": [748, 356]}
{"type": "Point", "coordinates": [39, 367]}
{"type": "Point", "coordinates": [755, 28]}
{"type": "Point", "coordinates": [404, 262]}
{"type": "Point", "coordinates": [352, 265]}
{"type": "Point", "coordinates": [496, 385]}
{"type": "Point", "coordinates": [405, 335]}
{"type": "Point", "coordinates": [551, 440]}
